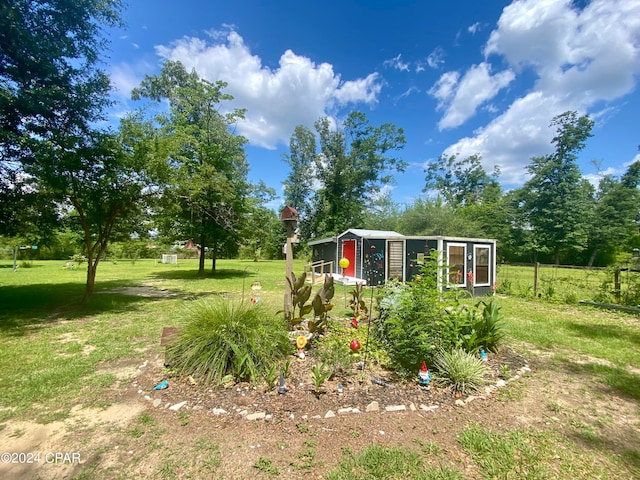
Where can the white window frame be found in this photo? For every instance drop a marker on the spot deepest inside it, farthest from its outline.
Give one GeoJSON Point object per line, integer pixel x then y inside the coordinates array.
{"type": "Point", "coordinates": [475, 270]}
{"type": "Point", "coordinates": [464, 265]}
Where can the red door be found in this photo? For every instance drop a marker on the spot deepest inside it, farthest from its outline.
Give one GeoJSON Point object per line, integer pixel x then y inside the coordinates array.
{"type": "Point", "coordinates": [349, 252]}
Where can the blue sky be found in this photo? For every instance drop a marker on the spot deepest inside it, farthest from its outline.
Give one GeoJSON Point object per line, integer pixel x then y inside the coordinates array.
{"type": "Point", "coordinates": [461, 77]}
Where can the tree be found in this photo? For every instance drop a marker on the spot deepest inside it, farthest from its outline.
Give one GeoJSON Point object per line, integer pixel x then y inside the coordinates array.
{"type": "Point", "coordinates": [51, 85]}
{"type": "Point", "coordinates": [206, 198]}
{"type": "Point", "coordinates": [462, 182]}
{"type": "Point", "coordinates": [102, 181]}
{"type": "Point", "coordinates": [556, 199]}
{"type": "Point", "coordinates": [615, 214]}
{"type": "Point", "coordinates": [349, 170]}
{"type": "Point", "coordinates": [434, 217]}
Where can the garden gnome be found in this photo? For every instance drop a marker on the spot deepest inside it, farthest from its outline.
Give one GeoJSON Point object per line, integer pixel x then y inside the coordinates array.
{"type": "Point", "coordinates": [425, 376]}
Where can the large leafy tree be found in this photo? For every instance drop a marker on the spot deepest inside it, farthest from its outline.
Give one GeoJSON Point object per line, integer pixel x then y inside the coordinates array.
{"type": "Point", "coordinates": [206, 198]}
{"type": "Point", "coordinates": [462, 182]}
{"type": "Point", "coordinates": [51, 86]}
{"type": "Point", "coordinates": [53, 93]}
{"type": "Point", "coordinates": [103, 182]}
{"type": "Point", "coordinates": [557, 199]}
{"type": "Point", "coordinates": [347, 165]}
{"type": "Point", "coordinates": [615, 215]}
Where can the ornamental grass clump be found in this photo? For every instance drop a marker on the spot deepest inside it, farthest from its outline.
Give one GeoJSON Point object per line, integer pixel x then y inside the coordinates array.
{"type": "Point", "coordinates": [225, 338]}
{"type": "Point", "coordinates": [461, 370]}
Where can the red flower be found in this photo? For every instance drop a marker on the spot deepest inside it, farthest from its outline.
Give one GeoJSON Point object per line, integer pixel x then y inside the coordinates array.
{"type": "Point", "coordinates": [470, 277]}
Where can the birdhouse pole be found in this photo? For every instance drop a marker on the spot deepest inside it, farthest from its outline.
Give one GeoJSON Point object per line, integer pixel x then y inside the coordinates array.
{"type": "Point", "coordinates": [290, 217]}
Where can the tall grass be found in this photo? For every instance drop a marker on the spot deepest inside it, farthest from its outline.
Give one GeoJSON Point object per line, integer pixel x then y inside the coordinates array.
{"type": "Point", "coordinates": [225, 337]}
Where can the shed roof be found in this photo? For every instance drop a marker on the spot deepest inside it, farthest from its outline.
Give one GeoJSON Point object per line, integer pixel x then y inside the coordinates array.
{"type": "Point", "coordinates": [373, 233]}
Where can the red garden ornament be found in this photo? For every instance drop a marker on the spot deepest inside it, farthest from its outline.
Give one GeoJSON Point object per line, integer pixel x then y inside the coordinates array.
{"type": "Point", "coordinates": [354, 322]}
{"type": "Point", "coordinates": [355, 345]}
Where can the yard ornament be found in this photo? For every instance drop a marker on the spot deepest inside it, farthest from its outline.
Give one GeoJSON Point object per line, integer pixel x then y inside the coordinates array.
{"type": "Point", "coordinates": [354, 322]}
{"type": "Point", "coordinates": [344, 263]}
{"type": "Point", "coordinates": [425, 376]}
{"type": "Point", "coordinates": [355, 345]}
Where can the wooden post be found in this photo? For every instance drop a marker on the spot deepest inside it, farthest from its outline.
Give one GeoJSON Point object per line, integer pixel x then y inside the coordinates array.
{"type": "Point", "coordinates": [616, 285]}
{"type": "Point", "coordinates": [288, 306]}
{"type": "Point", "coordinates": [535, 279]}
{"type": "Point", "coordinates": [290, 217]}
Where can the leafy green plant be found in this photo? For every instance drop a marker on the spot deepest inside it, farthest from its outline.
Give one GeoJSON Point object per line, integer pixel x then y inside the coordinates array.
{"type": "Point", "coordinates": [357, 303]}
{"type": "Point", "coordinates": [270, 375]}
{"type": "Point", "coordinates": [286, 369]}
{"type": "Point", "coordinates": [460, 370]}
{"type": "Point", "coordinates": [228, 338]}
{"type": "Point", "coordinates": [319, 373]}
{"type": "Point", "coordinates": [266, 465]}
{"type": "Point", "coordinates": [300, 294]}
{"type": "Point", "coordinates": [414, 323]}
{"type": "Point", "coordinates": [321, 306]}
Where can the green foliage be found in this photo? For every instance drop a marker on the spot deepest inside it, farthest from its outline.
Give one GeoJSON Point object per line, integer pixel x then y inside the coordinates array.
{"type": "Point", "coordinates": [461, 370]}
{"type": "Point", "coordinates": [207, 195]}
{"type": "Point", "coordinates": [322, 306]}
{"type": "Point", "coordinates": [358, 304]}
{"type": "Point", "coordinates": [350, 168]}
{"type": "Point", "coordinates": [414, 324]}
{"type": "Point", "coordinates": [475, 327]}
{"type": "Point", "coordinates": [266, 465]}
{"type": "Point", "coordinates": [319, 374]}
{"type": "Point", "coordinates": [462, 182]}
{"type": "Point", "coordinates": [557, 199]}
{"type": "Point", "coordinates": [226, 337]}
{"type": "Point", "coordinates": [300, 293]}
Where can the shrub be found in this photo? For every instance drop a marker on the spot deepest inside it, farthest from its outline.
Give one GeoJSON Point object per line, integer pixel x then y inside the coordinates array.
{"type": "Point", "coordinates": [461, 370]}
{"type": "Point", "coordinates": [229, 338]}
{"type": "Point", "coordinates": [413, 324]}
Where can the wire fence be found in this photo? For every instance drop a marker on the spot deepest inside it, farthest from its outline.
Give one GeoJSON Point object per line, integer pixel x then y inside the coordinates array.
{"type": "Point", "coordinates": [571, 284]}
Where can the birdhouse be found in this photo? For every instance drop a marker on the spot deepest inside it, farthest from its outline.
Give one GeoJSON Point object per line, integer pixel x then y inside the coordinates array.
{"type": "Point", "coordinates": [289, 216]}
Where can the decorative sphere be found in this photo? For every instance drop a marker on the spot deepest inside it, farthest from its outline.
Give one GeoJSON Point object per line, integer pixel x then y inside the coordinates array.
{"type": "Point", "coordinates": [344, 263]}
{"type": "Point", "coordinates": [355, 345]}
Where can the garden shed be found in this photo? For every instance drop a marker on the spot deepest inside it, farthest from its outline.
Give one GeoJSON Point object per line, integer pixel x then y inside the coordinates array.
{"type": "Point", "coordinates": [376, 256]}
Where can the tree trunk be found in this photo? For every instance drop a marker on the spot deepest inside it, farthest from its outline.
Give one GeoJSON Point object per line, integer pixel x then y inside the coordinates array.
{"type": "Point", "coordinates": [592, 258]}
{"type": "Point", "coordinates": [91, 281]}
{"type": "Point", "coordinates": [202, 254]}
{"type": "Point", "coordinates": [214, 254]}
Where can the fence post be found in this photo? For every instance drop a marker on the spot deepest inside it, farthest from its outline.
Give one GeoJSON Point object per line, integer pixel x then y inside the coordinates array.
{"type": "Point", "coordinates": [616, 285]}
{"type": "Point", "coordinates": [535, 279]}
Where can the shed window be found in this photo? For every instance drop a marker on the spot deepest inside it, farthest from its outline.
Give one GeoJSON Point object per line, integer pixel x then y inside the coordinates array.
{"type": "Point", "coordinates": [456, 254]}
{"type": "Point", "coordinates": [482, 266]}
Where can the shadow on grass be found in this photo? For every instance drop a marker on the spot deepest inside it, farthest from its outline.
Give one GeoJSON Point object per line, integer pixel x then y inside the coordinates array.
{"type": "Point", "coordinates": [625, 436]}
{"type": "Point", "coordinates": [24, 307]}
{"type": "Point", "coordinates": [612, 381]}
{"type": "Point", "coordinates": [606, 331]}
{"type": "Point", "coordinates": [208, 274]}
{"type": "Point", "coordinates": [620, 380]}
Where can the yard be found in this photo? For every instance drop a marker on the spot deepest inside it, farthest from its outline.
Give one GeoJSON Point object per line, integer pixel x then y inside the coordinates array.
{"type": "Point", "coordinates": [78, 384]}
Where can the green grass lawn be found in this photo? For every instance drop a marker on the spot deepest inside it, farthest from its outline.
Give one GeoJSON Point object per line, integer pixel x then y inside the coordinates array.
{"type": "Point", "coordinates": [52, 350]}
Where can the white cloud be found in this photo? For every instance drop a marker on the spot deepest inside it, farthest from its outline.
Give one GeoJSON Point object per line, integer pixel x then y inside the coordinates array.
{"type": "Point", "coordinates": [445, 88]}
{"type": "Point", "coordinates": [462, 98]}
{"type": "Point", "coordinates": [436, 58]}
{"type": "Point", "coordinates": [299, 91]}
{"type": "Point", "coordinates": [472, 29]}
{"type": "Point", "coordinates": [397, 63]}
{"type": "Point", "coordinates": [579, 58]}
{"type": "Point", "coordinates": [124, 79]}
